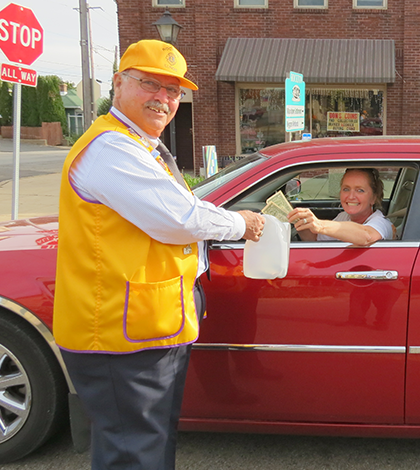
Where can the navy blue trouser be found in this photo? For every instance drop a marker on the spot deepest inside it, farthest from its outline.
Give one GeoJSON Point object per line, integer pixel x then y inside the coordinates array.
{"type": "Point", "coordinates": [133, 401]}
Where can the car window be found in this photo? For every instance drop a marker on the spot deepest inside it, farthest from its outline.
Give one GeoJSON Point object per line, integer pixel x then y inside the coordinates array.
{"type": "Point", "coordinates": [204, 188]}
{"type": "Point", "coordinates": [325, 183]}
{"type": "Point", "coordinates": [318, 188]}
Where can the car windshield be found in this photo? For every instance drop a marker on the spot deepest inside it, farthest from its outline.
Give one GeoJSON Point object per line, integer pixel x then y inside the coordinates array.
{"type": "Point", "coordinates": [227, 174]}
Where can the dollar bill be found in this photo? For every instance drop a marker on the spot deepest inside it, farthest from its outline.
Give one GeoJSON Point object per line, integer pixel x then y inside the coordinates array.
{"type": "Point", "coordinates": [279, 199]}
{"type": "Point", "coordinates": [276, 211]}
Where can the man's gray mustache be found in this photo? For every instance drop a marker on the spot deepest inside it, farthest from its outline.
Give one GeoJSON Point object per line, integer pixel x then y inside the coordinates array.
{"type": "Point", "coordinates": [158, 105]}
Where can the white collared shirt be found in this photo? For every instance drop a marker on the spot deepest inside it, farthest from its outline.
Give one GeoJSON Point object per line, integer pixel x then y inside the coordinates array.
{"type": "Point", "coordinates": [117, 171]}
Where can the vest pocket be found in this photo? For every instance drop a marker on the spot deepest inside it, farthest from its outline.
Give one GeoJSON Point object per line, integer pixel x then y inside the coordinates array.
{"type": "Point", "coordinates": [154, 310]}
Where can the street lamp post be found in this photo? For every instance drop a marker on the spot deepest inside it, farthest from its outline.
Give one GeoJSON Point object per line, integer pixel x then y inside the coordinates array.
{"type": "Point", "coordinates": [168, 30]}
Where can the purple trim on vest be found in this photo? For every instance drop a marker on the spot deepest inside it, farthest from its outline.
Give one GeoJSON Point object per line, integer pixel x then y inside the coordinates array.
{"type": "Point", "coordinates": [81, 197]}
{"type": "Point", "coordinates": [119, 119]}
{"type": "Point", "coordinates": [160, 338]}
{"type": "Point", "coordinates": [195, 305]}
{"type": "Point", "coordinates": [91, 351]}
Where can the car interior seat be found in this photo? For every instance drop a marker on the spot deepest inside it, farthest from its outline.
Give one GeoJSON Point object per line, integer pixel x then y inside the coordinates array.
{"type": "Point", "coordinates": [400, 201]}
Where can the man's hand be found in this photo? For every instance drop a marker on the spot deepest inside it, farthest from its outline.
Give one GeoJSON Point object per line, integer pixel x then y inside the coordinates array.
{"type": "Point", "coordinates": [254, 225]}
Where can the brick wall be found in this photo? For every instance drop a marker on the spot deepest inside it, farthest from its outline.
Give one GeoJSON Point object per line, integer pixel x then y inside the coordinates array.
{"type": "Point", "coordinates": [51, 132]}
{"type": "Point", "coordinates": [208, 24]}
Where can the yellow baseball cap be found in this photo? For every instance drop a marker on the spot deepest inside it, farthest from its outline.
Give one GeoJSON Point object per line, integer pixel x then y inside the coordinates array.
{"type": "Point", "coordinates": [152, 56]}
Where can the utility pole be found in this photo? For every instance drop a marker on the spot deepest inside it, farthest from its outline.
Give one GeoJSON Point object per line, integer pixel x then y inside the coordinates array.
{"type": "Point", "coordinates": [86, 75]}
{"type": "Point", "coordinates": [92, 68]}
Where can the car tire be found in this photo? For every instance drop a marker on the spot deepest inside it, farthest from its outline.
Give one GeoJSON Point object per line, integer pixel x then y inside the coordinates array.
{"type": "Point", "coordinates": [32, 389]}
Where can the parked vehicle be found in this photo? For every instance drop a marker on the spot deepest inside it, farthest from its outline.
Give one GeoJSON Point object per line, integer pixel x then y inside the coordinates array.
{"type": "Point", "coordinates": [332, 348]}
{"type": "Point", "coordinates": [371, 126]}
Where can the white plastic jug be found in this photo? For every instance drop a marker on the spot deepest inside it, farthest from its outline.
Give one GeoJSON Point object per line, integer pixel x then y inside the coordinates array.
{"type": "Point", "coordinates": [269, 257]}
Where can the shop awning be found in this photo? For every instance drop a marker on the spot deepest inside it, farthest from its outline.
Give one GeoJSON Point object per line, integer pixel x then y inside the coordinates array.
{"type": "Point", "coordinates": [319, 60]}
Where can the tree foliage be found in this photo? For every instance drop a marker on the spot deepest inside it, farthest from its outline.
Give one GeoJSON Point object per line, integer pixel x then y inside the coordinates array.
{"type": "Point", "coordinates": [6, 104]}
{"type": "Point", "coordinates": [40, 104]}
{"type": "Point", "coordinates": [30, 116]}
{"type": "Point", "coordinates": [70, 85]}
{"type": "Point", "coordinates": [50, 104]}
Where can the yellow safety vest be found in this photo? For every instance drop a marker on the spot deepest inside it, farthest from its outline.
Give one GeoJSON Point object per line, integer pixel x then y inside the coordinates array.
{"type": "Point", "coordinates": [117, 289]}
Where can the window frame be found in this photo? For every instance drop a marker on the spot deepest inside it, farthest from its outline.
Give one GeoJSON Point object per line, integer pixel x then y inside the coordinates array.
{"type": "Point", "coordinates": [237, 5]}
{"type": "Point", "coordinates": [311, 7]}
{"type": "Point", "coordinates": [167, 5]}
{"type": "Point", "coordinates": [383, 7]}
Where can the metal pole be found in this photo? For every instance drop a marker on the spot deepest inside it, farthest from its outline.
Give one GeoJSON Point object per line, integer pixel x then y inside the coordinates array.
{"type": "Point", "coordinates": [17, 99]}
{"type": "Point", "coordinates": [86, 78]}
{"type": "Point", "coordinates": [92, 69]}
{"type": "Point", "coordinates": [172, 135]}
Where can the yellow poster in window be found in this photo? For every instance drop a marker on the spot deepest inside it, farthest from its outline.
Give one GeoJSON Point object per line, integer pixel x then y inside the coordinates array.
{"type": "Point", "coordinates": [343, 121]}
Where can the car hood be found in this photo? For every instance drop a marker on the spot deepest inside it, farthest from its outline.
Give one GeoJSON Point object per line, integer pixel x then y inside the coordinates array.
{"type": "Point", "coordinates": [29, 234]}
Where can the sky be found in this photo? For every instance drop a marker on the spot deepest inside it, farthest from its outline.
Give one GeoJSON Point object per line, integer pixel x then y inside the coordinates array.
{"type": "Point", "coordinates": [62, 53]}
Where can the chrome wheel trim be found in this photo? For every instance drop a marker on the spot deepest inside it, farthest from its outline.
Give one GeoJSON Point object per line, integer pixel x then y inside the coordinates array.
{"type": "Point", "coordinates": [15, 395]}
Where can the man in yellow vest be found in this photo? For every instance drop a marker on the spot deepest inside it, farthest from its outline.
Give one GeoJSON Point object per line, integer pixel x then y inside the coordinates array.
{"type": "Point", "coordinates": [128, 300]}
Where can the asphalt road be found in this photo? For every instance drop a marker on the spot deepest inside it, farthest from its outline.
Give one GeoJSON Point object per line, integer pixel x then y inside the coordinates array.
{"type": "Point", "coordinates": [34, 159]}
{"type": "Point", "coordinates": [210, 451]}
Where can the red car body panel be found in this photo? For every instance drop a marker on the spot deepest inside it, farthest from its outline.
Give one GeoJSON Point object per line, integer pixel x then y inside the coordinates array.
{"type": "Point", "coordinates": [361, 381]}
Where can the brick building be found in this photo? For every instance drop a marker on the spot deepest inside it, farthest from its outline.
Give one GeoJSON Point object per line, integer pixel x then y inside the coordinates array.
{"type": "Point", "coordinates": [359, 58]}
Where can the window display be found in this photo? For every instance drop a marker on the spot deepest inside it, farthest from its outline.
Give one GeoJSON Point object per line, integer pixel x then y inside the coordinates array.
{"type": "Point", "coordinates": [328, 113]}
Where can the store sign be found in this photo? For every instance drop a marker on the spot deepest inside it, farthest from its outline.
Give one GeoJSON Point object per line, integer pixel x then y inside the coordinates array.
{"type": "Point", "coordinates": [295, 102]}
{"type": "Point", "coordinates": [16, 74]}
{"type": "Point", "coordinates": [343, 122]}
{"type": "Point", "coordinates": [210, 160]}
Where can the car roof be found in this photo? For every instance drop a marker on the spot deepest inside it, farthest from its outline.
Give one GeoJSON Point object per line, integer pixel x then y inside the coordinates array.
{"type": "Point", "coordinates": [329, 150]}
{"type": "Point", "coordinates": [344, 145]}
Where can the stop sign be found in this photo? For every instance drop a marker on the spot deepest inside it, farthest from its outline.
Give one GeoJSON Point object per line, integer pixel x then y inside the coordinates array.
{"type": "Point", "coordinates": [21, 35]}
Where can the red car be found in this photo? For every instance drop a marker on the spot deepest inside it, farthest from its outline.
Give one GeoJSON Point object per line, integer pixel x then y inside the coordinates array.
{"type": "Point", "coordinates": [371, 126]}
{"type": "Point", "coordinates": [332, 348]}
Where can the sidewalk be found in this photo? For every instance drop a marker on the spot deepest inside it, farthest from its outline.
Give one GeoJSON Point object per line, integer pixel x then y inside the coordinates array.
{"type": "Point", "coordinates": [38, 196]}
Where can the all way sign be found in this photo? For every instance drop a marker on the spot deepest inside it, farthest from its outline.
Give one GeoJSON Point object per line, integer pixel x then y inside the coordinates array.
{"type": "Point", "coordinates": [16, 74]}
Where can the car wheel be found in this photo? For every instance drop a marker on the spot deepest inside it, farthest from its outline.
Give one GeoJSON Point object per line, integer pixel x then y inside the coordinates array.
{"type": "Point", "coordinates": [32, 389]}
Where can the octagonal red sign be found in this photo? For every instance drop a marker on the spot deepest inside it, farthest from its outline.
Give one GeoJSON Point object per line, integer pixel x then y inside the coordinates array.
{"type": "Point", "coordinates": [21, 35]}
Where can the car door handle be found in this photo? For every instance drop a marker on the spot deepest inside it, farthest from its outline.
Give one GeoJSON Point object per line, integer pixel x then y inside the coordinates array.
{"type": "Point", "coordinates": [369, 275]}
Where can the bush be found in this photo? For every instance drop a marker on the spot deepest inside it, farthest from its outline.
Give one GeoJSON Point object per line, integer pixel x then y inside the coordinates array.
{"type": "Point", "coordinates": [104, 106]}
{"type": "Point", "coordinates": [71, 139]}
{"type": "Point", "coordinates": [192, 180]}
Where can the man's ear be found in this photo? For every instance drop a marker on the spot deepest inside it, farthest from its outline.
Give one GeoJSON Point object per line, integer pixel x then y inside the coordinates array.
{"type": "Point", "coordinates": [117, 79]}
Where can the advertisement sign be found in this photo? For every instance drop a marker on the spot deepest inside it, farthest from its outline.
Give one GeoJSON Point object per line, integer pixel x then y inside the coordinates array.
{"type": "Point", "coordinates": [210, 160]}
{"type": "Point", "coordinates": [295, 102]}
{"type": "Point", "coordinates": [343, 122]}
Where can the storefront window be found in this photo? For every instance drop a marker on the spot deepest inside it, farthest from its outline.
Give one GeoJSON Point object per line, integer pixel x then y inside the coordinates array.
{"type": "Point", "coordinates": [332, 113]}
{"type": "Point", "coordinates": [261, 115]}
{"type": "Point", "coordinates": [329, 113]}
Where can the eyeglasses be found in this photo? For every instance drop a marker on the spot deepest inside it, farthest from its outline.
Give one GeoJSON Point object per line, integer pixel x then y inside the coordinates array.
{"type": "Point", "coordinates": [153, 86]}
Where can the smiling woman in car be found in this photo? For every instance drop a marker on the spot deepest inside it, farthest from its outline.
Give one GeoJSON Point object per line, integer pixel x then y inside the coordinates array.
{"type": "Point", "coordinates": [361, 223]}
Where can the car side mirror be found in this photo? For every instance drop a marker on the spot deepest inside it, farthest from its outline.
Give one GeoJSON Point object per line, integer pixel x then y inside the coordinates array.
{"type": "Point", "coordinates": [293, 187]}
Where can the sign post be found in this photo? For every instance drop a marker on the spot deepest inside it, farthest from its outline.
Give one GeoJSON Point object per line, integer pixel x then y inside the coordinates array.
{"type": "Point", "coordinates": [21, 40]}
{"type": "Point", "coordinates": [295, 103]}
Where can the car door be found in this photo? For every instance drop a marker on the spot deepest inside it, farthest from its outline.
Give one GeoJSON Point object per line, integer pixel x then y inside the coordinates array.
{"type": "Point", "coordinates": [327, 343]}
